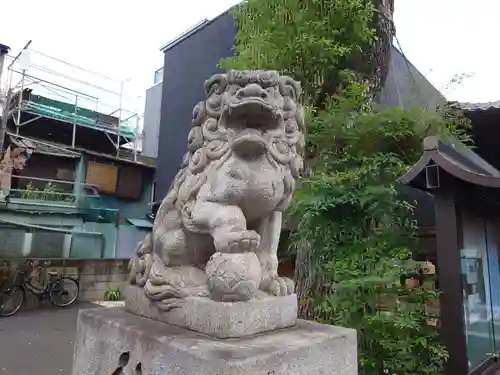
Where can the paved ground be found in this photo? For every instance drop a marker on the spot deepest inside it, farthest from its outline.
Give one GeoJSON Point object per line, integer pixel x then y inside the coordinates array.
{"type": "Point", "coordinates": [39, 341]}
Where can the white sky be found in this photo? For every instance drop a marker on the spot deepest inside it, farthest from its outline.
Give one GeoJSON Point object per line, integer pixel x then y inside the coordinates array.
{"type": "Point", "coordinates": [121, 39]}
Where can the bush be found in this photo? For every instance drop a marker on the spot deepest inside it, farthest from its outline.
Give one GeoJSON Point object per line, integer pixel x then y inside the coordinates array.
{"type": "Point", "coordinates": [113, 294]}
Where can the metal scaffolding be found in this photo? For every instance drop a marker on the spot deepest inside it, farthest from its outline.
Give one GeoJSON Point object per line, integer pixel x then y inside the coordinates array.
{"type": "Point", "coordinates": [47, 87]}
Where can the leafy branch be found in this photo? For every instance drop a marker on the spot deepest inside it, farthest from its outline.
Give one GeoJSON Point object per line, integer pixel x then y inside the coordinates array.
{"type": "Point", "coordinates": [354, 236]}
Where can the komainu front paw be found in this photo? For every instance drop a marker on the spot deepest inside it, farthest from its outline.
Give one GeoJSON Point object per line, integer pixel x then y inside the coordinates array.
{"type": "Point", "coordinates": [240, 242]}
{"type": "Point", "coordinates": [278, 286]}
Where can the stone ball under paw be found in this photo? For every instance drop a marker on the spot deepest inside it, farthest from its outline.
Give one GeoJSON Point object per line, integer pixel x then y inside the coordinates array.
{"type": "Point", "coordinates": [233, 277]}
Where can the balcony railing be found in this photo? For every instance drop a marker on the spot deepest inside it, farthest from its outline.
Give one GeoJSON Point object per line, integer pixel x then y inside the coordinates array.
{"type": "Point", "coordinates": [43, 196]}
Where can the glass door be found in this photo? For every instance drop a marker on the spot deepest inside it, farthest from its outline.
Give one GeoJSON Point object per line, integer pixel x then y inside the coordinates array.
{"type": "Point", "coordinates": [480, 274]}
{"type": "Point", "coordinates": [492, 234]}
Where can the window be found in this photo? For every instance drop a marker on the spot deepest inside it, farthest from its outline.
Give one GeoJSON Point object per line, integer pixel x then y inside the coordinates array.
{"type": "Point", "coordinates": [129, 182]}
{"type": "Point", "coordinates": [480, 273]}
{"type": "Point", "coordinates": [103, 176]}
{"type": "Point", "coordinates": [158, 76]}
{"type": "Point", "coordinates": [65, 174]}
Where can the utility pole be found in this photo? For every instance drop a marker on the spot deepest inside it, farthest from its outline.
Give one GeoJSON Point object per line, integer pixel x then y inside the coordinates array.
{"type": "Point", "coordinates": [4, 97]}
{"type": "Point", "coordinates": [4, 50]}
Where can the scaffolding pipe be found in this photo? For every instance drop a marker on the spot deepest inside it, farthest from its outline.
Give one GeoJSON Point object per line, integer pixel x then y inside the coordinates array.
{"type": "Point", "coordinates": [20, 102]}
{"type": "Point", "coordinates": [27, 79]}
{"type": "Point", "coordinates": [136, 136]}
{"type": "Point", "coordinates": [120, 110]}
{"type": "Point", "coordinates": [75, 110]}
{"type": "Point", "coordinates": [19, 54]}
{"type": "Point", "coordinates": [56, 85]}
{"type": "Point", "coordinates": [119, 120]}
{"type": "Point", "coordinates": [30, 120]}
{"type": "Point", "coordinates": [75, 66]}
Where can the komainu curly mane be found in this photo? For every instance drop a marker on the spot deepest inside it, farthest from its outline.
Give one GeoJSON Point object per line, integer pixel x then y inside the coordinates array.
{"type": "Point", "coordinates": [246, 116]}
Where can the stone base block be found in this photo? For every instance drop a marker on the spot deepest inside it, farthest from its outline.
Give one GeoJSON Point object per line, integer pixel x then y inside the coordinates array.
{"type": "Point", "coordinates": [114, 341]}
{"type": "Point", "coordinates": [219, 319]}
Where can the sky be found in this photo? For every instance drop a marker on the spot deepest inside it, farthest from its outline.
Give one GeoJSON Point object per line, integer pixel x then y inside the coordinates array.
{"type": "Point", "coordinates": [122, 40]}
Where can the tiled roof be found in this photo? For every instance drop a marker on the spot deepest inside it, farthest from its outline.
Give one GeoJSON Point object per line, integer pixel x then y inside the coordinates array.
{"type": "Point", "coordinates": [58, 149]}
{"type": "Point", "coordinates": [42, 147]}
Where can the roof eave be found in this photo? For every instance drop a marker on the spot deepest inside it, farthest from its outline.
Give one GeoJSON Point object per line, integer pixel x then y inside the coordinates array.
{"type": "Point", "coordinates": [434, 156]}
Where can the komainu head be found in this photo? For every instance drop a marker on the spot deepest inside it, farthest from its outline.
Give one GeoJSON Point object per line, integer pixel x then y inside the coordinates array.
{"type": "Point", "coordinates": [249, 114]}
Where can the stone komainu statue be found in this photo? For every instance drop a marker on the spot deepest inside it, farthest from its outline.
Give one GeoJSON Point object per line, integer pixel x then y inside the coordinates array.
{"type": "Point", "coordinates": [216, 232]}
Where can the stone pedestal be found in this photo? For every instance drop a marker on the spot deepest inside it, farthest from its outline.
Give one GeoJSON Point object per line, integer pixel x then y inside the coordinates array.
{"type": "Point", "coordinates": [114, 341]}
{"type": "Point", "coordinates": [219, 319]}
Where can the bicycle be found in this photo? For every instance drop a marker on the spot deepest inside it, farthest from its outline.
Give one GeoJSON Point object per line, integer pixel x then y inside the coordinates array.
{"type": "Point", "coordinates": [53, 289]}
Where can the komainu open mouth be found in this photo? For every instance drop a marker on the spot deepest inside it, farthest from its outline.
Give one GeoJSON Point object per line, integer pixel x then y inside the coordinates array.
{"type": "Point", "coordinates": [249, 143]}
{"type": "Point", "coordinates": [251, 113]}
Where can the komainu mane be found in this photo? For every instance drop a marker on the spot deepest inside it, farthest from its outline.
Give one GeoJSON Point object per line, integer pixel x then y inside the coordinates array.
{"type": "Point", "coordinates": [238, 176]}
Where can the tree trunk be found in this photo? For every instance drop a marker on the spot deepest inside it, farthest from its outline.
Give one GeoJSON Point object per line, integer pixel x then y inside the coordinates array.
{"type": "Point", "coordinates": [373, 66]}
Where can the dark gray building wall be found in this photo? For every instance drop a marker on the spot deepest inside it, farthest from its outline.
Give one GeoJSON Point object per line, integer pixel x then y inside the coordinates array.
{"type": "Point", "coordinates": [187, 65]}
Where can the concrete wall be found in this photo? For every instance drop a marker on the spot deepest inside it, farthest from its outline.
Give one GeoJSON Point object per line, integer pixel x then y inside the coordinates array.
{"type": "Point", "coordinates": [18, 241]}
{"type": "Point", "coordinates": [152, 114]}
{"type": "Point", "coordinates": [95, 276]}
{"type": "Point", "coordinates": [186, 66]}
{"type": "Point", "coordinates": [83, 240]}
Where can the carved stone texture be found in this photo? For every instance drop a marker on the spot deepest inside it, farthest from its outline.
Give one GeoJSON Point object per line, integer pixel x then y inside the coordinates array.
{"type": "Point", "coordinates": [123, 361]}
{"type": "Point", "coordinates": [225, 204]}
{"type": "Point", "coordinates": [220, 319]}
{"type": "Point", "coordinates": [233, 277]}
{"type": "Point", "coordinates": [106, 335]}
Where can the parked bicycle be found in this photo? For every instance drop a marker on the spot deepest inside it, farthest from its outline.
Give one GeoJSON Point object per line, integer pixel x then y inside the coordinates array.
{"type": "Point", "coordinates": [62, 291]}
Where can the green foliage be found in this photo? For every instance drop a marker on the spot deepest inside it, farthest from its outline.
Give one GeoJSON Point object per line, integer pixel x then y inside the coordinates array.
{"type": "Point", "coordinates": [354, 235]}
{"type": "Point", "coordinates": [113, 294]}
{"type": "Point", "coordinates": [50, 192]}
{"type": "Point", "coordinates": [311, 39]}
{"type": "Point", "coordinates": [358, 236]}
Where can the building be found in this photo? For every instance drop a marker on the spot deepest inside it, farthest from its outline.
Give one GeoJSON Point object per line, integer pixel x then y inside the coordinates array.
{"type": "Point", "coordinates": [81, 194]}
{"type": "Point", "coordinates": [193, 57]}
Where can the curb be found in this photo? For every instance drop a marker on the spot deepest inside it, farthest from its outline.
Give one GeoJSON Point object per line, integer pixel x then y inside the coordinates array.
{"type": "Point", "coordinates": [109, 303]}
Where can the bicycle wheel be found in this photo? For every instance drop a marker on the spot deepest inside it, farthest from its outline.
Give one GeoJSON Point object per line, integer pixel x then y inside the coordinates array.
{"type": "Point", "coordinates": [64, 292]}
{"type": "Point", "coordinates": [11, 300]}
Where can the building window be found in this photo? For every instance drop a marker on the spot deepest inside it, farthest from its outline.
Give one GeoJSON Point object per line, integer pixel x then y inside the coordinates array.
{"type": "Point", "coordinates": [65, 174]}
{"type": "Point", "coordinates": [158, 76]}
{"type": "Point", "coordinates": [129, 182]}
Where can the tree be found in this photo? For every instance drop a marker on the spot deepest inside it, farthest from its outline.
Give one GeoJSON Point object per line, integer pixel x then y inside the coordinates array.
{"type": "Point", "coordinates": [312, 39]}
{"type": "Point", "coordinates": [354, 236]}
